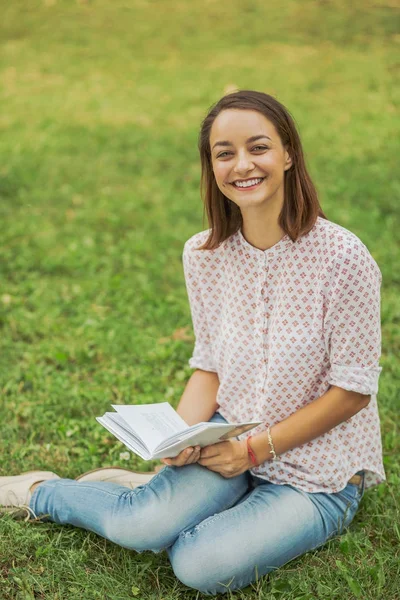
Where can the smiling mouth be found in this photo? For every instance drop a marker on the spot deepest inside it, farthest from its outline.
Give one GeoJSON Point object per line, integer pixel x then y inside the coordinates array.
{"type": "Point", "coordinates": [250, 184]}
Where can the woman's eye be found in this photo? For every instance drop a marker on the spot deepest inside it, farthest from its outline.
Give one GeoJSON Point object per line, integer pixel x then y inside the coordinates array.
{"type": "Point", "coordinates": [223, 154]}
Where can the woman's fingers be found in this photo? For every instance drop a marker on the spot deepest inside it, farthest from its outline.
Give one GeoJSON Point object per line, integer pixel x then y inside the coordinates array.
{"type": "Point", "coordinates": [191, 455]}
{"type": "Point", "coordinates": [180, 460]}
{"type": "Point", "coordinates": [194, 456]}
{"type": "Point", "coordinates": [186, 457]}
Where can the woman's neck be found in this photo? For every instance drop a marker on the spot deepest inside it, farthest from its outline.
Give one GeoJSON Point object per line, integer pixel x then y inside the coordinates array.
{"type": "Point", "coordinates": [262, 231]}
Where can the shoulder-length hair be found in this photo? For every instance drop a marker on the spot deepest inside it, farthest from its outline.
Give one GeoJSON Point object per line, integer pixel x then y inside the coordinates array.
{"type": "Point", "coordinates": [301, 205]}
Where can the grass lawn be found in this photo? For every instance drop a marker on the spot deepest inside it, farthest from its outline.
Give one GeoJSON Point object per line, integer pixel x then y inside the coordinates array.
{"type": "Point", "coordinates": [99, 189]}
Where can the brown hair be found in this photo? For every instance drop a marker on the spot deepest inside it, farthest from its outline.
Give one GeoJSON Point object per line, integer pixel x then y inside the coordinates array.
{"type": "Point", "coordinates": [301, 205]}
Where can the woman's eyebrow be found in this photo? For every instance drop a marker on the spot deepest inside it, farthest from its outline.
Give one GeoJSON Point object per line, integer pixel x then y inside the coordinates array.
{"type": "Point", "coordinates": [253, 138]}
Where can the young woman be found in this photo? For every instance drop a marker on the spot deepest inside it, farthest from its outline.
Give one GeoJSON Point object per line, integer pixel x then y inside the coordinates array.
{"type": "Point", "coordinates": [286, 314]}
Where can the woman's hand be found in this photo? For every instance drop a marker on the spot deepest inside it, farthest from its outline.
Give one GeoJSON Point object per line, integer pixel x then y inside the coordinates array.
{"type": "Point", "coordinates": [229, 458]}
{"type": "Point", "coordinates": [186, 457]}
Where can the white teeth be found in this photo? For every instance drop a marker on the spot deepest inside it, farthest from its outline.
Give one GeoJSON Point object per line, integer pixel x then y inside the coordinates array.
{"type": "Point", "coordinates": [248, 183]}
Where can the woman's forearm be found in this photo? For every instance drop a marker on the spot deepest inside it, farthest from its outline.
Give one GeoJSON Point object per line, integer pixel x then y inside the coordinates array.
{"type": "Point", "coordinates": [311, 421]}
{"type": "Point", "coordinates": [199, 399]}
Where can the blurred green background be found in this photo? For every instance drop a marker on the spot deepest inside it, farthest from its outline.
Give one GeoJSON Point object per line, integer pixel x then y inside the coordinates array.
{"type": "Point", "coordinates": [101, 104]}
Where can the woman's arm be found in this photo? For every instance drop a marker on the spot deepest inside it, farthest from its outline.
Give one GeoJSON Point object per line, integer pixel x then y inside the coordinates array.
{"type": "Point", "coordinates": [199, 399]}
{"type": "Point", "coordinates": [198, 403]}
{"type": "Point", "coordinates": [311, 421]}
{"type": "Point", "coordinates": [230, 458]}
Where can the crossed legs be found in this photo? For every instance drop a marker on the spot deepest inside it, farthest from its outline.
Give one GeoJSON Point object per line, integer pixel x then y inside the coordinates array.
{"type": "Point", "coordinates": [219, 533]}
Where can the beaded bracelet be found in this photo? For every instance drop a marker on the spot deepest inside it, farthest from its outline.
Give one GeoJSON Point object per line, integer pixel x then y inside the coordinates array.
{"type": "Point", "coordinates": [271, 444]}
{"type": "Point", "coordinates": [250, 452]}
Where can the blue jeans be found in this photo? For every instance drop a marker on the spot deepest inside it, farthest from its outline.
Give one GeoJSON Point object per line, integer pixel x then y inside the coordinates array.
{"type": "Point", "coordinates": [219, 533]}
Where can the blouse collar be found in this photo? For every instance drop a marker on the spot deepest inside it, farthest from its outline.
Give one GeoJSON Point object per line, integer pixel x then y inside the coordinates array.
{"type": "Point", "coordinates": [283, 245]}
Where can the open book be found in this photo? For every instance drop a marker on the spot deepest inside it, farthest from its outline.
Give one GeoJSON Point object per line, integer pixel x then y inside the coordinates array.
{"type": "Point", "coordinates": [157, 431]}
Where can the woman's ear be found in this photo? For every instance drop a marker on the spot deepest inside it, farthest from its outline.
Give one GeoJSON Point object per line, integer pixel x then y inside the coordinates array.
{"type": "Point", "coordinates": [288, 160]}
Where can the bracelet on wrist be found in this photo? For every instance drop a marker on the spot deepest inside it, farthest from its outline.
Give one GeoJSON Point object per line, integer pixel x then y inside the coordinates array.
{"type": "Point", "coordinates": [271, 444]}
{"type": "Point", "coordinates": [251, 453]}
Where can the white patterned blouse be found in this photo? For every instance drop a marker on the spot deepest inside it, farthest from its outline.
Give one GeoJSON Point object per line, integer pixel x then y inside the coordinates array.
{"type": "Point", "coordinates": [282, 325]}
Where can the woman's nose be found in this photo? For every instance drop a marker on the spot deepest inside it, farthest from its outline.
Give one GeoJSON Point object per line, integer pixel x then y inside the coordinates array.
{"type": "Point", "coordinates": [244, 163]}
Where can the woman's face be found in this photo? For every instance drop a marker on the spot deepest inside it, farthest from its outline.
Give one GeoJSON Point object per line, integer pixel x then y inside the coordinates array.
{"type": "Point", "coordinates": [250, 172]}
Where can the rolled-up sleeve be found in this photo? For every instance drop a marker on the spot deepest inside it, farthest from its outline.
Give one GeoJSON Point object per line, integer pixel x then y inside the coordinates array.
{"type": "Point", "coordinates": [352, 324]}
{"type": "Point", "coordinates": [202, 356]}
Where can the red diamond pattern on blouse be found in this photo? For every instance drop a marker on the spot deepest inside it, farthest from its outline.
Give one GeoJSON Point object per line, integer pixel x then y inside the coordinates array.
{"type": "Point", "coordinates": [282, 325]}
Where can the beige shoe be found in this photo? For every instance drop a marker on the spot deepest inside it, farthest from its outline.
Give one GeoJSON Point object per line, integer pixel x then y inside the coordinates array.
{"type": "Point", "coordinates": [118, 475]}
{"type": "Point", "coordinates": [15, 492]}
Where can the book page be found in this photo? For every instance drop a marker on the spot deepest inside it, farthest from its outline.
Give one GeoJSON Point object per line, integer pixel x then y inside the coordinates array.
{"type": "Point", "coordinates": [153, 423]}
{"type": "Point", "coordinates": [111, 422]}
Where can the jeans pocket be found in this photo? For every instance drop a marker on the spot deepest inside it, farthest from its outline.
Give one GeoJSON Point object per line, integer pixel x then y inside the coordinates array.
{"type": "Point", "coordinates": [350, 498]}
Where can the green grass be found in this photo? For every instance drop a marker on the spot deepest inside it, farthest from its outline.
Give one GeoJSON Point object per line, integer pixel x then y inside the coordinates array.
{"type": "Point", "coordinates": [99, 189]}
